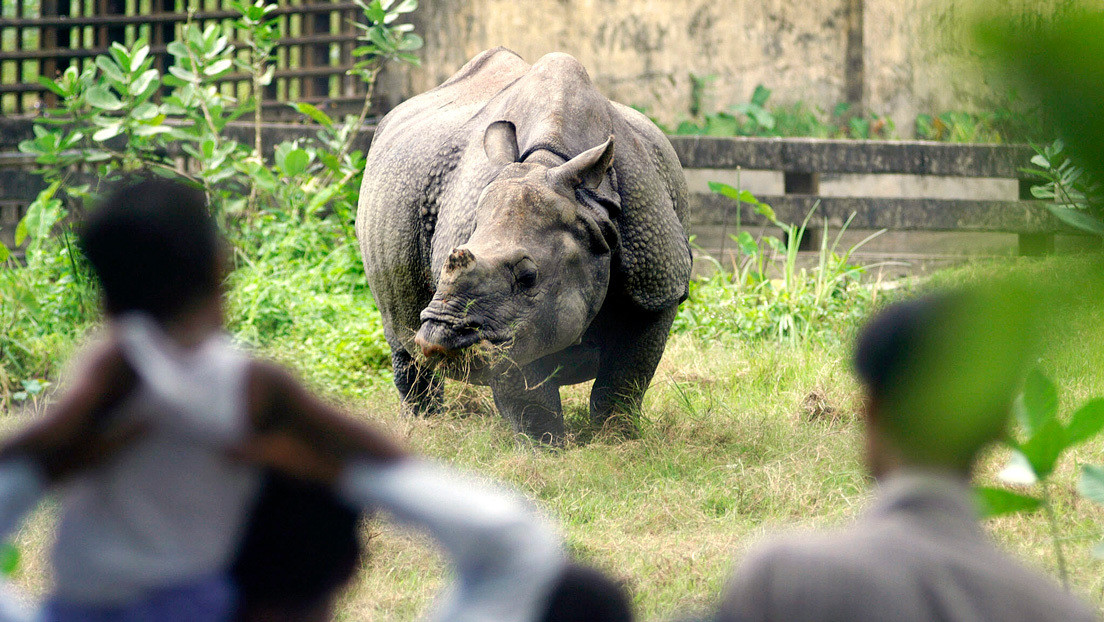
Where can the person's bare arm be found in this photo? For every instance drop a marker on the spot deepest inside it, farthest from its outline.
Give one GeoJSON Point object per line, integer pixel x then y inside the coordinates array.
{"type": "Point", "coordinates": [302, 434]}
{"type": "Point", "coordinates": [74, 432]}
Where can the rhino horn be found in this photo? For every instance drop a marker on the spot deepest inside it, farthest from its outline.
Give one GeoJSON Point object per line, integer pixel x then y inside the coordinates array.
{"type": "Point", "coordinates": [459, 259]}
{"type": "Point", "coordinates": [500, 143]}
{"type": "Point", "coordinates": [586, 170]}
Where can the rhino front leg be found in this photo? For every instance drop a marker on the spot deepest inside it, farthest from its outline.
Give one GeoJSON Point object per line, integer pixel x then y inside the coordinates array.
{"type": "Point", "coordinates": [631, 348]}
{"type": "Point", "coordinates": [531, 403]}
{"type": "Point", "coordinates": [422, 391]}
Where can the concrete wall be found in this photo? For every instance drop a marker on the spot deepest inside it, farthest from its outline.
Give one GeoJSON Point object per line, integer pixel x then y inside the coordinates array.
{"type": "Point", "coordinates": [912, 55]}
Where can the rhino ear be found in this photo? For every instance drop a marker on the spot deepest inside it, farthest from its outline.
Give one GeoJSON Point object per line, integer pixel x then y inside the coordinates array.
{"type": "Point", "coordinates": [500, 143]}
{"type": "Point", "coordinates": [586, 170]}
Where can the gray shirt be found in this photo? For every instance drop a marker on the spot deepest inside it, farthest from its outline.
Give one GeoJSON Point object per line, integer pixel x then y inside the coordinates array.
{"type": "Point", "coordinates": [917, 555]}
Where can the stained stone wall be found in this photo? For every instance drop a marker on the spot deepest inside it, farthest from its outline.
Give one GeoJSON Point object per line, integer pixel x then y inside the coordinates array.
{"type": "Point", "coordinates": [906, 56]}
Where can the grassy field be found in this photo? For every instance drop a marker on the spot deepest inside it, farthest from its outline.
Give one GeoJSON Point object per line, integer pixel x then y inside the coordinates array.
{"type": "Point", "coordinates": [740, 440]}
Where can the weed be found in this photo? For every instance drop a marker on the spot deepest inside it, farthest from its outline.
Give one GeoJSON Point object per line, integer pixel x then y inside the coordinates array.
{"type": "Point", "coordinates": [766, 295]}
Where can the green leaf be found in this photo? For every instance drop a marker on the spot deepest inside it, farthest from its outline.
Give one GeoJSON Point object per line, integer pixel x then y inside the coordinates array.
{"type": "Point", "coordinates": [4, 252]}
{"type": "Point", "coordinates": [21, 231]}
{"type": "Point", "coordinates": [53, 86]}
{"type": "Point", "coordinates": [151, 130]}
{"type": "Point", "coordinates": [375, 13]}
{"type": "Point", "coordinates": [760, 96]}
{"type": "Point", "coordinates": [218, 67]}
{"type": "Point", "coordinates": [145, 111]}
{"type": "Point", "coordinates": [998, 502]}
{"type": "Point", "coordinates": [110, 68]}
{"type": "Point", "coordinates": [1044, 447]}
{"type": "Point", "coordinates": [9, 559]}
{"type": "Point", "coordinates": [1091, 484]}
{"type": "Point", "coordinates": [732, 193]}
{"type": "Point", "coordinates": [1018, 471]}
{"type": "Point", "coordinates": [143, 82]}
{"type": "Point", "coordinates": [1086, 422]}
{"type": "Point", "coordinates": [178, 49]}
{"type": "Point", "coordinates": [102, 98]}
{"type": "Point", "coordinates": [42, 214]}
{"type": "Point", "coordinates": [108, 132]}
{"type": "Point", "coordinates": [768, 212]}
{"type": "Point", "coordinates": [1040, 401]}
{"type": "Point", "coordinates": [747, 244]}
{"type": "Point", "coordinates": [120, 54]}
{"type": "Point", "coordinates": [314, 113]}
{"type": "Point", "coordinates": [183, 74]}
{"type": "Point", "coordinates": [411, 42]}
{"type": "Point", "coordinates": [266, 77]}
{"type": "Point", "coordinates": [1078, 219]}
{"type": "Point", "coordinates": [139, 56]}
{"type": "Point", "coordinates": [295, 162]}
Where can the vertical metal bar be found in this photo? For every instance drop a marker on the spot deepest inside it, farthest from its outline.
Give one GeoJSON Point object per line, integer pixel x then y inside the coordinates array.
{"type": "Point", "coordinates": [19, 45]}
{"type": "Point", "coordinates": [47, 43]}
{"type": "Point", "coordinates": [854, 66]}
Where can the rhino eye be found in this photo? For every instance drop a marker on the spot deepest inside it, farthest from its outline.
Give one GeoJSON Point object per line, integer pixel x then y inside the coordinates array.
{"type": "Point", "coordinates": [526, 273]}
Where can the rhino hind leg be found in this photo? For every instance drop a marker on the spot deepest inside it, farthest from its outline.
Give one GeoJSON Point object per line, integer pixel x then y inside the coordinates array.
{"type": "Point", "coordinates": [632, 345]}
{"type": "Point", "coordinates": [422, 391]}
{"type": "Point", "coordinates": [531, 403]}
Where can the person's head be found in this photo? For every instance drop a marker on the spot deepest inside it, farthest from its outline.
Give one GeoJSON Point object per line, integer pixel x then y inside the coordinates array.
{"type": "Point", "coordinates": [154, 247]}
{"type": "Point", "coordinates": [940, 373]}
{"type": "Point", "coordinates": [584, 594]}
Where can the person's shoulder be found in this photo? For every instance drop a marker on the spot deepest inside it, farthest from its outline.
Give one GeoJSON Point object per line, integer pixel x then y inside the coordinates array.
{"type": "Point", "coordinates": [1037, 592]}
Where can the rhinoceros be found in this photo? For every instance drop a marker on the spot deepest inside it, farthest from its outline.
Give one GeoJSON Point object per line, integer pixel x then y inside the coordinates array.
{"type": "Point", "coordinates": [520, 230]}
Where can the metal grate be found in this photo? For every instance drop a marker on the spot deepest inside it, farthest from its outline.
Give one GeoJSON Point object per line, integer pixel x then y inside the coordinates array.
{"type": "Point", "coordinates": [43, 37]}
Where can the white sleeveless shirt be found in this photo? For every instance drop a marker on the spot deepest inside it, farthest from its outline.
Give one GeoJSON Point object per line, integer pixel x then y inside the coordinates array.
{"type": "Point", "coordinates": [170, 507]}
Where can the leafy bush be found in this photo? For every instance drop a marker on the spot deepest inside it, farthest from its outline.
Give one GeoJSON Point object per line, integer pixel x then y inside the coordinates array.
{"type": "Point", "coordinates": [1037, 448]}
{"type": "Point", "coordinates": [289, 216]}
{"type": "Point", "coordinates": [754, 118]}
{"type": "Point", "coordinates": [1072, 194]}
{"type": "Point", "coordinates": [767, 296]}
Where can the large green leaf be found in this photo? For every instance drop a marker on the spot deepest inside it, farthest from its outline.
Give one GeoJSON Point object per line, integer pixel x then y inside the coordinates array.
{"type": "Point", "coordinates": [102, 98]}
{"type": "Point", "coordinates": [1018, 470]}
{"type": "Point", "coordinates": [295, 162]}
{"type": "Point", "coordinates": [110, 68]}
{"type": "Point", "coordinates": [1086, 422]}
{"type": "Point", "coordinates": [1044, 447]}
{"type": "Point", "coordinates": [107, 133]}
{"type": "Point", "coordinates": [998, 502]}
{"type": "Point", "coordinates": [178, 49]}
{"type": "Point", "coordinates": [1040, 401]}
{"type": "Point", "coordinates": [732, 193]}
{"type": "Point", "coordinates": [1091, 485]}
{"type": "Point", "coordinates": [314, 113]}
{"type": "Point", "coordinates": [143, 82]}
{"type": "Point", "coordinates": [53, 86]}
{"type": "Point", "coordinates": [218, 67]}
{"type": "Point", "coordinates": [1078, 219]}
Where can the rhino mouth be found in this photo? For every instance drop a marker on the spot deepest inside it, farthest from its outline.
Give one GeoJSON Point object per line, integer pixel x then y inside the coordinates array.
{"type": "Point", "coordinates": [444, 337]}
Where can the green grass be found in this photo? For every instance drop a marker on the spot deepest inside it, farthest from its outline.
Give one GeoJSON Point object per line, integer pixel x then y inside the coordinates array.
{"type": "Point", "coordinates": [740, 438]}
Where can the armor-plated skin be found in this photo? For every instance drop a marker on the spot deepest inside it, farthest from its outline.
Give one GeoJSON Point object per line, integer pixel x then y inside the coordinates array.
{"type": "Point", "coordinates": [516, 207]}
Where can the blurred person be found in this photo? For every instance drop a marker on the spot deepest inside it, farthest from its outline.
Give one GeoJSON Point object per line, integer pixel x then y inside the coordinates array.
{"type": "Point", "coordinates": [154, 501]}
{"type": "Point", "coordinates": [158, 445]}
{"type": "Point", "coordinates": [939, 374]}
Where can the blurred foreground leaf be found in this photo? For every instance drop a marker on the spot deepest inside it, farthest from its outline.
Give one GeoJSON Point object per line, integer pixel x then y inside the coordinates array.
{"type": "Point", "coordinates": [997, 502]}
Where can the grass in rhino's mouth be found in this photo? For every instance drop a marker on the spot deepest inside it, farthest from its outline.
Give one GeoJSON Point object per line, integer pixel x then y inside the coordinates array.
{"type": "Point", "coordinates": [481, 355]}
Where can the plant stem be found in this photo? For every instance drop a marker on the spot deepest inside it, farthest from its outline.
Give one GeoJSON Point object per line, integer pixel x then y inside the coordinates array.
{"type": "Point", "coordinates": [370, 82]}
{"type": "Point", "coordinates": [257, 70]}
{"type": "Point", "coordinates": [1052, 520]}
